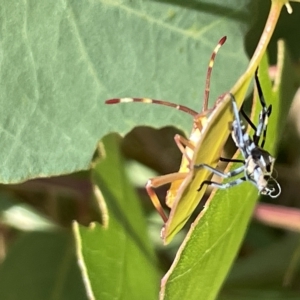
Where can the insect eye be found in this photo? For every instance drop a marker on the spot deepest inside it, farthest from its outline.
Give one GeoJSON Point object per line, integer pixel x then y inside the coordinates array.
{"type": "Point", "coordinates": [256, 154]}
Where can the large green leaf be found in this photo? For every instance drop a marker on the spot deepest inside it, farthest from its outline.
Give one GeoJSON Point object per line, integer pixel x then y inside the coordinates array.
{"type": "Point", "coordinates": [61, 60]}
{"type": "Point", "coordinates": [41, 265]}
{"type": "Point", "coordinates": [206, 255]}
{"type": "Point", "coordinates": [116, 259]}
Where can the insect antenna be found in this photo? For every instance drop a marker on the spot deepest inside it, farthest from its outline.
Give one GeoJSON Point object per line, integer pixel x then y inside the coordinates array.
{"type": "Point", "coordinates": [271, 194]}
{"type": "Point", "coordinates": [208, 73]}
{"type": "Point", "coordinates": [154, 101]}
{"type": "Point", "coordinates": [174, 105]}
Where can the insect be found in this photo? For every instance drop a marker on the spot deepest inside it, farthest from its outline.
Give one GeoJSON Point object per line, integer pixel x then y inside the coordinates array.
{"type": "Point", "coordinates": [182, 197]}
{"type": "Point", "coordinates": [257, 163]}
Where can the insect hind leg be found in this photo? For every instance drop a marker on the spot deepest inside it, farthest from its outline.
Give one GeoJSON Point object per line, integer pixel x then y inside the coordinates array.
{"type": "Point", "coordinates": [157, 182]}
{"type": "Point", "coordinates": [222, 186]}
{"type": "Point", "coordinates": [221, 174]}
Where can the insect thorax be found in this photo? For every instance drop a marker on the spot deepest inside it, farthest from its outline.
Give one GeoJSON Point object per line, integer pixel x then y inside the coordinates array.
{"type": "Point", "coordinates": [259, 167]}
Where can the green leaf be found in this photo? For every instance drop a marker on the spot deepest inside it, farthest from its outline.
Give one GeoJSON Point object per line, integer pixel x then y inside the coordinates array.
{"type": "Point", "coordinates": [210, 247]}
{"type": "Point", "coordinates": [41, 265]}
{"type": "Point", "coordinates": [116, 259]}
{"type": "Point", "coordinates": [245, 273]}
{"type": "Point", "coordinates": [61, 60]}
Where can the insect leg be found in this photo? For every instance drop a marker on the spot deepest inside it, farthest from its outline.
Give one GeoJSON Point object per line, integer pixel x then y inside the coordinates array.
{"type": "Point", "coordinates": [219, 173]}
{"type": "Point", "coordinates": [232, 160]}
{"type": "Point", "coordinates": [237, 132]}
{"type": "Point", "coordinates": [183, 143]}
{"type": "Point", "coordinates": [157, 182]}
{"type": "Point", "coordinates": [248, 120]}
{"type": "Point", "coordinates": [222, 185]}
{"type": "Point", "coordinates": [263, 116]}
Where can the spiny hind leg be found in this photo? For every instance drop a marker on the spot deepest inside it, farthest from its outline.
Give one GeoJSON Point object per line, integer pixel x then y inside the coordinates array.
{"type": "Point", "coordinates": [157, 182]}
